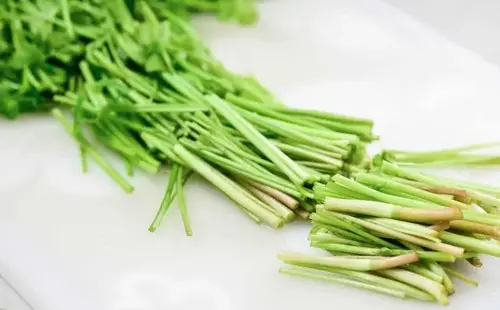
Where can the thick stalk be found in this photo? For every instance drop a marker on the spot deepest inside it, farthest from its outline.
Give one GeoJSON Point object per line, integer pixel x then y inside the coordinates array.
{"type": "Point", "coordinates": [441, 247]}
{"type": "Point", "coordinates": [359, 264]}
{"type": "Point", "coordinates": [471, 244]}
{"type": "Point", "coordinates": [476, 228]}
{"type": "Point", "coordinates": [380, 209]}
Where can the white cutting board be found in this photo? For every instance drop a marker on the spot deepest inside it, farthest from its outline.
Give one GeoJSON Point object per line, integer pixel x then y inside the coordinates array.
{"type": "Point", "coordinates": [73, 241]}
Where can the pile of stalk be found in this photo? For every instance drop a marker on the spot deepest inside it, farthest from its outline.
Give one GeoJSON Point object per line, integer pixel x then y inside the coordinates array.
{"type": "Point", "coordinates": [135, 77]}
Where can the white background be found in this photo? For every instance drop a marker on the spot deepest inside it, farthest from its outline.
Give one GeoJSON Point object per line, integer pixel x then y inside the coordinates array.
{"type": "Point", "coordinates": [72, 241]}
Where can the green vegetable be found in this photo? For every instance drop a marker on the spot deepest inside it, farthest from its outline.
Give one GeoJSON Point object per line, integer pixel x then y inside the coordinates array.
{"type": "Point", "coordinates": [136, 78]}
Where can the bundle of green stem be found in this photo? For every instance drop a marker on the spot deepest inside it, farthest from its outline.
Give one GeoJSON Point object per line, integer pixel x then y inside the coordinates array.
{"type": "Point", "coordinates": [148, 88]}
{"type": "Point", "coordinates": [396, 231]}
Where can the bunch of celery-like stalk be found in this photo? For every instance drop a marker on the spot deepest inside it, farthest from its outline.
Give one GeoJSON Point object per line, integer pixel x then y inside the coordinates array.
{"type": "Point", "coordinates": [396, 231]}
{"type": "Point", "coordinates": [135, 76]}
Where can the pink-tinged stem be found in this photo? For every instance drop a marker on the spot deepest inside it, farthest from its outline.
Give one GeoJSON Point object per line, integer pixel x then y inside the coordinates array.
{"type": "Point", "coordinates": [303, 214]}
{"type": "Point", "coordinates": [285, 199]}
{"type": "Point", "coordinates": [440, 226]}
{"type": "Point", "coordinates": [361, 264]}
{"type": "Point", "coordinates": [476, 228]}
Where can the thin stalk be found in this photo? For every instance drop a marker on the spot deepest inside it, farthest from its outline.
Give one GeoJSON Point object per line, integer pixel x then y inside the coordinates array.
{"type": "Point", "coordinates": [371, 278]}
{"type": "Point", "coordinates": [459, 194]}
{"type": "Point", "coordinates": [448, 285]}
{"type": "Point", "coordinates": [182, 202]}
{"type": "Point", "coordinates": [277, 206]}
{"type": "Point", "coordinates": [345, 191]}
{"type": "Point", "coordinates": [298, 152]}
{"type": "Point", "coordinates": [433, 288]}
{"type": "Point", "coordinates": [167, 199]}
{"type": "Point", "coordinates": [157, 108]}
{"type": "Point", "coordinates": [436, 181]}
{"type": "Point", "coordinates": [227, 186]}
{"type": "Point", "coordinates": [323, 167]}
{"type": "Point", "coordinates": [285, 199]}
{"type": "Point", "coordinates": [345, 248]}
{"type": "Point", "coordinates": [460, 276]}
{"type": "Point", "coordinates": [322, 115]}
{"type": "Point", "coordinates": [471, 244]}
{"type": "Point", "coordinates": [374, 180]}
{"type": "Point", "coordinates": [424, 272]}
{"type": "Point", "coordinates": [293, 134]}
{"type": "Point", "coordinates": [345, 281]}
{"type": "Point", "coordinates": [327, 238]}
{"type": "Point", "coordinates": [287, 166]}
{"type": "Point", "coordinates": [327, 218]}
{"type": "Point", "coordinates": [314, 132]}
{"type": "Point", "coordinates": [340, 153]}
{"type": "Point", "coordinates": [83, 160]}
{"type": "Point", "coordinates": [438, 154]}
{"type": "Point", "coordinates": [115, 175]}
{"type": "Point", "coordinates": [250, 173]}
{"type": "Point", "coordinates": [320, 222]}
{"type": "Point", "coordinates": [407, 228]}
{"type": "Point", "coordinates": [129, 167]}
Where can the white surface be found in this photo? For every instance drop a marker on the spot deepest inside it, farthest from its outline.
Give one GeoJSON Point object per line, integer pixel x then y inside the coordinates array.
{"type": "Point", "coordinates": [72, 241]}
{"type": "Point", "coordinates": [472, 24]}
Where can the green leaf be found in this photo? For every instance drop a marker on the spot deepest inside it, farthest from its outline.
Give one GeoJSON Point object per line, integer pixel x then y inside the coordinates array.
{"type": "Point", "coordinates": [27, 55]}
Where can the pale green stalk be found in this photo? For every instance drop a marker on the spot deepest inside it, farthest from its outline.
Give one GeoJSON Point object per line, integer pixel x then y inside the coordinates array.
{"type": "Point", "coordinates": [424, 272]}
{"type": "Point", "coordinates": [288, 166]}
{"type": "Point", "coordinates": [167, 199]}
{"type": "Point", "coordinates": [182, 203]}
{"type": "Point", "coordinates": [471, 244]}
{"type": "Point", "coordinates": [327, 238]}
{"type": "Point", "coordinates": [407, 228]}
{"type": "Point", "coordinates": [378, 182]}
{"type": "Point", "coordinates": [277, 206]}
{"type": "Point", "coordinates": [285, 199]}
{"type": "Point", "coordinates": [327, 218]}
{"type": "Point", "coordinates": [460, 276]}
{"type": "Point", "coordinates": [374, 279]}
{"type": "Point", "coordinates": [380, 209]}
{"type": "Point", "coordinates": [360, 264]}
{"type": "Point", "coordinates": [227, 186]}
{"type": "Point", "coordinates": [441, 247]}
{"type": "Point", "coordinates": [115, 175]}
{"type": "Point", "coordinates": [448, 285]}
{"type": "Point", "coordinates": [295, 151]}
{"type": "Point", "coordinates": [351, 249]}
{"type": "Point", "coordinates": [435, 289]}
{"type": "Point", "coordinates": [345, 281]}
